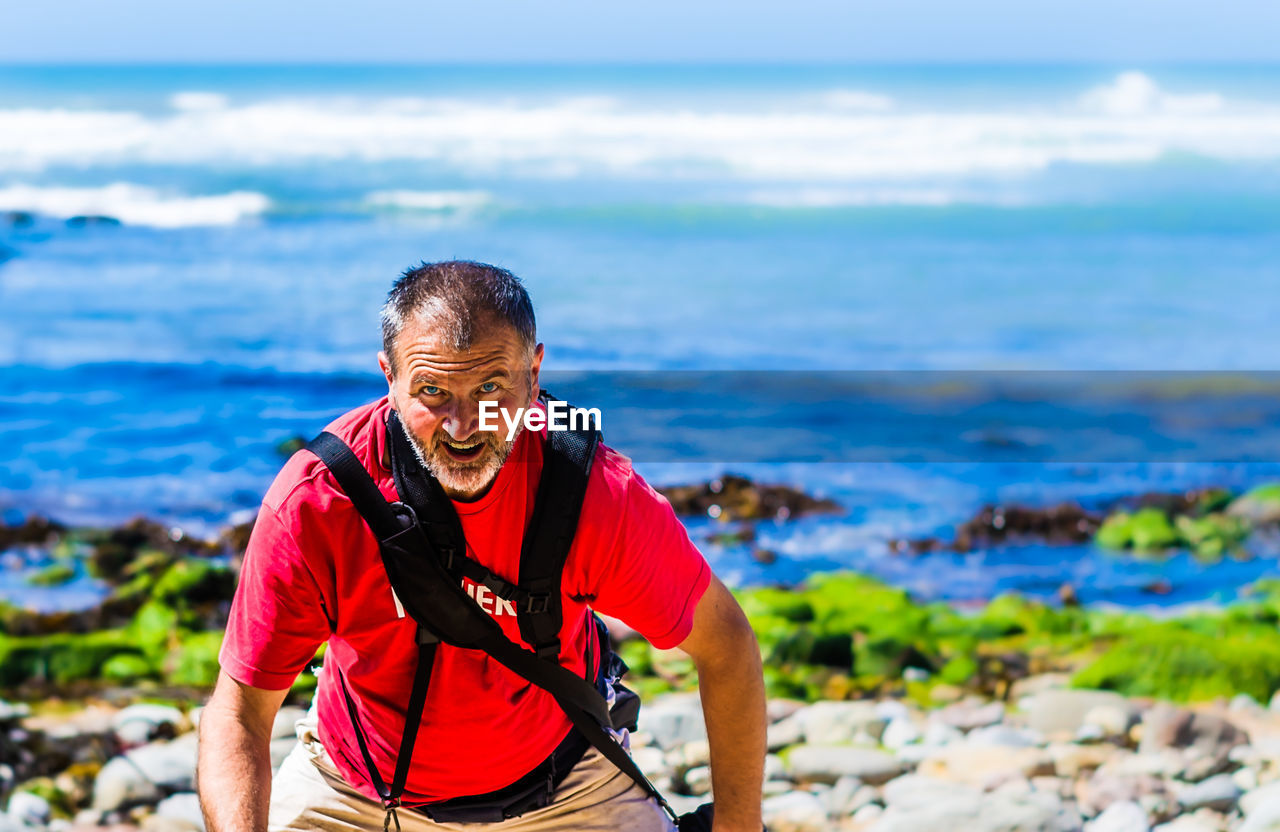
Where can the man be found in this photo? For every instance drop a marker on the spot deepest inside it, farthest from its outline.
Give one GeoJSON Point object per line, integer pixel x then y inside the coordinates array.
{"type": "Point", "coordinates": [456, 334]}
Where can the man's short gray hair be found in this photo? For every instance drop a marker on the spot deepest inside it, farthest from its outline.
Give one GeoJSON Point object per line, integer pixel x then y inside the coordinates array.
{"type": "Point", "coordinates": [459, 298]}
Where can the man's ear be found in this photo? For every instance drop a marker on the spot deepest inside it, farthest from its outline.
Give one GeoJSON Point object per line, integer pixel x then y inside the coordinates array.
{"type": "Point", "coordinates": [534, 389]}
{"type": "Point", "coordinates": [385, 364]}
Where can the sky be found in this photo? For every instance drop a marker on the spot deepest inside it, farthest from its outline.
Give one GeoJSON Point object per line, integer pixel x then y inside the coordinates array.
{"type": "Point", "coordinates": [665, 31]}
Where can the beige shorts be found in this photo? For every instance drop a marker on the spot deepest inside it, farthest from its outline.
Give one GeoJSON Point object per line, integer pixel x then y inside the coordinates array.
{"type": "Point", "coordinates": [309, 793]}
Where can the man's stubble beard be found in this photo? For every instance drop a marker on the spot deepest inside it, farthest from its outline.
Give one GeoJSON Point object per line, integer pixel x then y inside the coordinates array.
{"type": "Point", "coordinates": [465, 479]}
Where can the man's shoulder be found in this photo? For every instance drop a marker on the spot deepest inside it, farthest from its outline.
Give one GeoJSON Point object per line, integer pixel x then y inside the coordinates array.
{"type": "Point", "coordinates": [615, 487]}
{"type": "Point", "coordinates": [611, 477]}
{"type": "Point", "coordinates": [305, 478]}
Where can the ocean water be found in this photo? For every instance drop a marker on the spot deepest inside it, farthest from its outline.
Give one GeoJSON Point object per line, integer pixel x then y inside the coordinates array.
{"type": "Point", "coordinates": [677, 225]}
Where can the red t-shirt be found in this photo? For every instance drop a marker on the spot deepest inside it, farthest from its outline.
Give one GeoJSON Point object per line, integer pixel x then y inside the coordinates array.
{"type": "Point", "coordinates": [311, 558]}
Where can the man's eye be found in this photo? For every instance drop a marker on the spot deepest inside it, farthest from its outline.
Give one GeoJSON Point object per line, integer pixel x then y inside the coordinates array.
{"type": "Point", "coordinates": [430, 390]}
{"type": "Point", "coordinates": [489, 387]}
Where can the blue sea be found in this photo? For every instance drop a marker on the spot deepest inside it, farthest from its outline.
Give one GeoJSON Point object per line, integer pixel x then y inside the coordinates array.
{"type": "Point", "coordinates": [673, 224]}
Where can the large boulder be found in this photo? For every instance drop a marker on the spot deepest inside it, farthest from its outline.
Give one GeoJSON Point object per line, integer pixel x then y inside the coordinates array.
{"type": "Point", "coordinates": [828, 763]}
{"type": "Point", "coordinates": [1124, 816]}
{"type": "Point", "coordinates": [674, 720]}
{"type": "Point", "coordinates": [986, 766]}
{"type": "Point", "coordinates": [146, 773]}
{"type": "Point", "coordinates": [1065, 711]}
{"type": "Point", "coordinates": [838, 723]}
{"type": "Point", "coordinates": [795, 812]}
{"type": "Point", "coordinates": [974, 812]}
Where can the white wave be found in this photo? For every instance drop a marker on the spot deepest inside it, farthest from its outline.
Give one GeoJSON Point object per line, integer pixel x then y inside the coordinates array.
{"type": "Point", "coordinates": [134, 204]}
{"type": "Point", "coordinates": [198, 101]}
{"type": "Point", "coordinates": [428, 200]}
{"type": "Point", "coordinates": [842, 197]}
{"type": "Point", "coordinates": [1137, 94]}
{"type": "Point", "coordinates": [814, 141]}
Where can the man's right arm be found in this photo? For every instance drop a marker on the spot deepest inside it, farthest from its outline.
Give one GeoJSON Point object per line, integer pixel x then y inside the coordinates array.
{"type": "Point", "coordinates": [233, 770]}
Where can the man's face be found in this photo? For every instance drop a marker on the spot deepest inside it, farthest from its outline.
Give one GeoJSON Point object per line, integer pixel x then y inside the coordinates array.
{"type": "Point", "coordinates": [437, 391]}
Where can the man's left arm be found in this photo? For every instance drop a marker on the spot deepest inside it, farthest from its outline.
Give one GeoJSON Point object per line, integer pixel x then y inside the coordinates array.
{"type": "Point", "coordinates": [731, 683]}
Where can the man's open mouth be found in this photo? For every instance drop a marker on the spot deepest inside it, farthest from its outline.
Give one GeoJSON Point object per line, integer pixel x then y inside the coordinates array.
{"type": "Point", "coordinates": [463, 451]}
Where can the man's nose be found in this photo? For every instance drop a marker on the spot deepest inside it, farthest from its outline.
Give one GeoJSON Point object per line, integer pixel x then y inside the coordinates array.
{"type": "Point", "coordinates": [462, 420]}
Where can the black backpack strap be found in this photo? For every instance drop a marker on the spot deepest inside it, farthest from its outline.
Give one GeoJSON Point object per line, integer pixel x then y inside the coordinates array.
{"type": "Point", "coordinates": [566, 467]}
{"type": "Point", "coordinates": [386, 523]}
{"type": "Point", "coordinates": [354, 480]}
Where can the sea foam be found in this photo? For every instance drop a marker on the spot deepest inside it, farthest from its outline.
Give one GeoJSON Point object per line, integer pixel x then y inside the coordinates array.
{"type": "Point", "coordinates": [134, 204]}
{"type": "Point", "coordinates": [442, 201]}
{"type": "Point", "coordinates": [815, 139]}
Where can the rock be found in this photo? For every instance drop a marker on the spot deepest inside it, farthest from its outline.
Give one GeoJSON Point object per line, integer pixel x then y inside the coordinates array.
{"type": "Point", "coordinates": [912, 791]}
{"type": "Point", "coordinates": [849, 795]}
{"type": "Point", "coordinates": [33, 531]}
{"type": "Point", "coordinates": [774, 768]}
{"type": "Point", "coordinates": [138, 724]}
{"type": "Point", "coordinates": [698, 780]}
{"type": "Point", "coordinates": [778, 709]}
{"type": "Point", "coordinates": [1063, 523]}
{"type": "Point", "coordinates": [168, 764]}
{"type": "Point", "coordinates": [1210, 736]}
{"type": "Point", "coordinates": [29, 809]}
{"type": "Point", "coordinates": [1064, 711]}
{"type": "Point", "coordinates": [967, 715]}
{"type": "Point", "coordinates": [8, 824]}
{"type": "Point", "coordinates": [734, 497]}
{"type": "Point", "coordinates": [1071, 760]}
{"type": "Point", "coordinates": [1263, 816]}
{"type": "Point", "coordinates": [986, 767]}
{"type": "Point", "coordinates": [119, 784]}
{"type": "Point", "coordinates": [1252, 801]}
{"type": "Point", "coordinates": [900, 732]}
{"type": "Point", "coordinates": [867, 815]}
{"type": "Point", "coordinates": [1112, 720]}
{"type": "Point", "coordinates": [1090, 733]}
{"type": "Point", "coordinates": [785, 732]}
{"type": "Point", "coordinates": [184, 806]}
{"type": "Point", "coordinates": [1202, 821]}
{"type": "Point", "coordinates": [1246, 779]}
{"type": "Point", "coordinates": [651, 760]}
{"type": "Point", "coordinates": [673, 720]}
{"type": "Point", "coordinates": [1265, 819]}
{"type": "Point", "coordinates": [776, 787]}
{"type": "Point", "coordinates": [696, 753]}
{"type": "Point", "coordinates": [827, 764]}
{"type": "Point", "coordinates": [1260, 506]}
{"type": "Point", "coordinates": [1219, 793]}
{"type": "Point", "coordinates": [990, 813]}
{"type": "Point", "coordinates": [1244, 703]}
{"type": "Point", "coordinates": [1025, 688]}
{"type": "Point", "coordinates": [836, 723]}
{"type": "Point", "coordinates": [286, 721]}
{"type": "Point", "coordinates": [795, 812]}
{"type": "Point", "coordinates": [1100, 791]}
{"type": "Point", "coordinates": [1003, 736]}
{"type": "Point", "coordinates": [891, 709]}
{"type": "Point", "coordinates": [1124, 816]}
{"type": "Point", "coordinates": [938, 734]}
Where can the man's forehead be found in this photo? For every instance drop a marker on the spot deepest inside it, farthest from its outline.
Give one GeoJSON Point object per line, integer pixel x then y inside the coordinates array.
{"type": "Point", "coordinates": [425, 348]}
